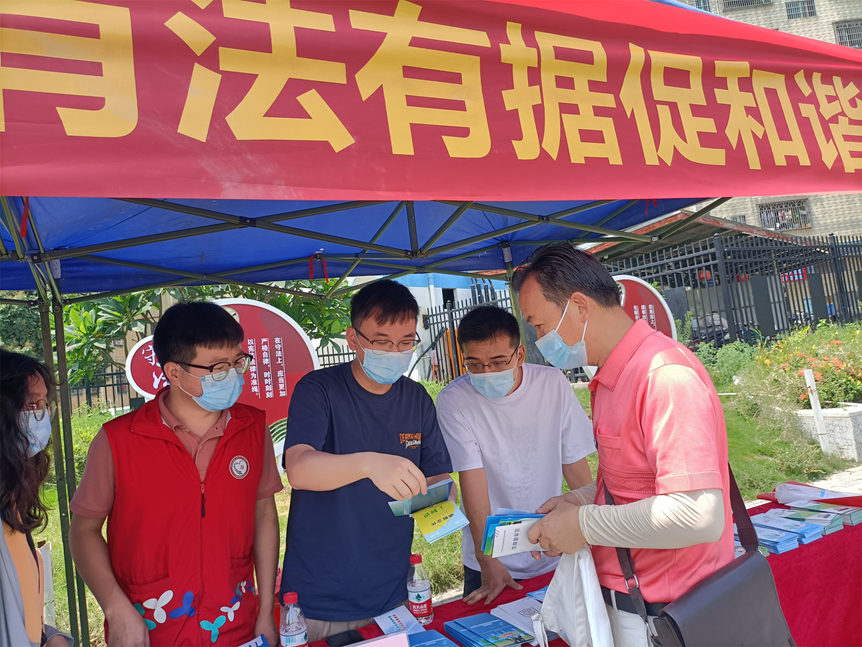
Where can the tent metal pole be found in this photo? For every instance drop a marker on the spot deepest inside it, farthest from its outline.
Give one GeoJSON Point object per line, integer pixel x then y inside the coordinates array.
{"type": "Point", "coordinates": [77, 252]}
{"type": "Point", "coordinates": [19, 247]}
{"type": "Point", "coordinates": [251, 222]}
{"type": "Point", "coordinates": [60, 476]}
{"type": "Point", "coordinates": [69, 450]}
{"type": "Point", "coordinates": [16, 302]}
{"type": "Point", "coordinates": [459, 257]}
{"type": "Point", "coordinates": [45, 268]}
{"type": "Point", "coordinates": [682, 224]}
{"type": "Point", "coordinates": [374, 239]}
{"type": "Point", "coordinates": [607, 219]}
{"type": "Point", "coordinates": [573, 241]}
{"type": "Point", "coordinates": [267, 266]}
{"type": "Point", "coordinates": [411, 226]}
{"type": "Point", "coordinates": [513, 296]}
{"type": "Point", "coordinates": [264, 223]}
{"type": "Point", "coordinates": [423, 268]}
{"type": "Point", "coordinates": [442, 249]}
{"type": "Point", "coordinates": [579, 209]}
{"type": "Point", "coordinates": [445, 226]}
{"type": "Point", "coordinates": [196, 276]}
{"type": "Point", "coordinates": [116, 293]}
{"type": "Point", "coordinates": [382, 278]}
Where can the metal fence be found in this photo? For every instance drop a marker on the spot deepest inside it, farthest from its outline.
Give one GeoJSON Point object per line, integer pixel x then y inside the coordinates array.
{"type": "Point", "coordinates": [333, 356]}
{"type": "Point", "coordinates": [110, 391]}
{"type": "Point", "coordinates": [750, 287]}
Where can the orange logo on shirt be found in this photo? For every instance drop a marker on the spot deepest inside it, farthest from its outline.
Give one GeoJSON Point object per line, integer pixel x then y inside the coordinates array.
{"type": "Point", "coordinates": [411, 441]}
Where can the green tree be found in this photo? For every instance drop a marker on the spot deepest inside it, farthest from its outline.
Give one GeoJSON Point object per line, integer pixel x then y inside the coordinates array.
{"type": "Point", "coordinates": [88, 341]}
{"type": "Point", "coordinates": [134, 312]}
{"type": "Point", "coordinates": [21, 326]}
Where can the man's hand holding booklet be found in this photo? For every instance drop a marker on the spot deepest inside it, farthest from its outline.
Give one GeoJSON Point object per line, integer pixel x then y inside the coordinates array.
{"type": "Point", "coordinates": [506, 533]}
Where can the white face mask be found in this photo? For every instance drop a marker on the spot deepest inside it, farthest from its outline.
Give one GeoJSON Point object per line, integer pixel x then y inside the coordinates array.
{"type": "Point", "coordinates": [559, 353]}
{"type": "Point", "coordinates": [38, 431]}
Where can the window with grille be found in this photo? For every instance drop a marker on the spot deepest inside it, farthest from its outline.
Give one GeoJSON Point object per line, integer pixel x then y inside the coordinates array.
{"type": "Point", "coordinates": [849, 33]}
{"type": "Point", "coordinates": [743, 4]}
{"type": "Point", "coordinates": [739, 219]}
{"type": "Point", "coordinates": [703, 5]}
{"type": "Point", "coordinates": [785, 216]}
{"type": "Point", "coordinates": [800, 9]}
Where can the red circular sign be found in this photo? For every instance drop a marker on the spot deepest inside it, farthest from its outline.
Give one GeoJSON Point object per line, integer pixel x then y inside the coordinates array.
{"type": "Point", "coordinates": [642, 301]}
{"type": "Point", "coordinates": [282, 355]}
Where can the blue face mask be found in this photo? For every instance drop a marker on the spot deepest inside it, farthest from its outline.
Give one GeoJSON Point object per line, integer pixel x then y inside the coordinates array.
{"type": "Point", "coordinates": [218, 396]}
{"type": "Point", "coordinates": [558, 353]}
{"type": "Point", "coordinates": [494, 385]}
{"type": "Point", "coordinates": [38, 431]}
{"type": "Point", "coordinates": [385, 368]}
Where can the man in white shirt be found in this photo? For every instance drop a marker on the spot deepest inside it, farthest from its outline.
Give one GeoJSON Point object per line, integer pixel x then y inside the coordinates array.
{"type": "Point", "coordinates": [513, 431]}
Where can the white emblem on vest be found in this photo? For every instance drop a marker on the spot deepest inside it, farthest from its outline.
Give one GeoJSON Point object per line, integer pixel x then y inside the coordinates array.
{"type": "Point", "coordinates": [239, 467]}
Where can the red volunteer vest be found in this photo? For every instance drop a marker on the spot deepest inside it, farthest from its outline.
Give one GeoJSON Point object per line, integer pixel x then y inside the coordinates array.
{"type": "Point", "coordinates": [182, 550]}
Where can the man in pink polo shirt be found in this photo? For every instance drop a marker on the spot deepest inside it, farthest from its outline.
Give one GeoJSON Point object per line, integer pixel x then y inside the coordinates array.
{"type": "Point", "coordinates": [660, 434]}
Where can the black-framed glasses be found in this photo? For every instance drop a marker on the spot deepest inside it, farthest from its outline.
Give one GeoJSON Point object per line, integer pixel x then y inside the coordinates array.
{"type": "Point", "coordinates": [383, 346]}
{"type": "Point", "coordinates": [496, 367]}
{"type": "Point", "coordinates": [40, 408]}
{"type": "Point", "coordinates": [220, 371]}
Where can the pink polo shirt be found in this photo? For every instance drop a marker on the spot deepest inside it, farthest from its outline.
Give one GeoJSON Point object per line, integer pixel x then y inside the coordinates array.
{"type": "Point", "coordinates": [659, 428]}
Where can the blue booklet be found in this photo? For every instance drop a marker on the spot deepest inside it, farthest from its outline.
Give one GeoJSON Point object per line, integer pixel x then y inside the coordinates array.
{"type": "Point", "coordinates": [485, 630]}
{"type": "Point", "coordinates": [437, 493]}
{"type": "Point", "coordinates": [430, 638]}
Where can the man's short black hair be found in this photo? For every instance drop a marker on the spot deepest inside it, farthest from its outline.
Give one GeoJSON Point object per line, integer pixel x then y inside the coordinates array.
{"type": "Point", "coordinates": [186, 326]}
{"type": "Point", "coordinates": [486, 323]}
{"type": "Point", "coordinates": [561, 269]}
{"type": "Point", "coordinates": [384, 301]}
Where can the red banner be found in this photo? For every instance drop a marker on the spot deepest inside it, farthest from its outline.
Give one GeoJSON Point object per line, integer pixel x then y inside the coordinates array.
{"type": "Point", "coordinates": [435, 99]}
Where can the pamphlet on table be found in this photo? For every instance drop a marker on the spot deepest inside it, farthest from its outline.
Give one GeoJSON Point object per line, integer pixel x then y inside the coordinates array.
{"type": "Point", "coordinates": [433, 512]}
{"type": "Point", "coordinates": [774, 541]}
{"type": "Point", "coordinates": [520, 613]}
{"type": "Point", "coordinates": [850, 515]}
{"type": "Point", "coordinates": [785, 493]}
{"type": "Point", "coordinates": [430, 638]}
{"type": "Point", "coordinates": [805, 532]}
{"type": "Point", "coordinates": [829, 521]}
{"type": "Point", "coordinates": [485, 630]}
{"type": "Point", "coordinates": [397, 620]}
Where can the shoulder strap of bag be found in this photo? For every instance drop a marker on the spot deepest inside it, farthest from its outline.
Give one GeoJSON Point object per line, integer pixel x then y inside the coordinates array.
{"type": "Point", "coordinates": [744, 528]}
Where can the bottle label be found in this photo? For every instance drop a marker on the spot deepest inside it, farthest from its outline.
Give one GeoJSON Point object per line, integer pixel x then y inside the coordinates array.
{"type": "Point", "coordinates": [294, 640]}
{"type": "Point", "coordinates": [420, 603]}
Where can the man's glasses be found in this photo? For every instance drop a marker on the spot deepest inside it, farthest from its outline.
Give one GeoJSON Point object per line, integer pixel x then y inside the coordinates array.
{"type": "Point", "coordinates": [41, 408]}
{"type": "Point", "coordinates": [383, 346]}
{"type": "Point", "coordinates": [220, 371]}
{"type": "Point", "coordinates": [495, 367]}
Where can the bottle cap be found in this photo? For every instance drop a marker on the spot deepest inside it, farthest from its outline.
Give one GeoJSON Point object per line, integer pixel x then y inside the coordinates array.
{"type": "Point", "coordinates": [290, 598]}
{"type": "Point", "coordinates": [415, 559]}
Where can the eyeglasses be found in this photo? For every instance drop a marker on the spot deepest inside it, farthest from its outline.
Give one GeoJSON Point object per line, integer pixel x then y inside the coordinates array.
{"type": "Point", "coordinates": [496, 367]}
{"type": "Point", "coordinates": [383, 346]}
{"type": "Point", "coordinates": [40, 408]}
{"type": "Point", "coordinates": [220, 371]}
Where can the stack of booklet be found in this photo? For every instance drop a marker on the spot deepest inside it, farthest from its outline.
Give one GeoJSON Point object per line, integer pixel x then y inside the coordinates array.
{"type": "Point", "coordinates": [739, 549]}
{"type": "Point", "coordinates": [829, 521]}
{"type": "Point", "coordinates": [774, 541]}
{"type": "Point", "coordinates": [485, 630]}
{"type": "Point", "coordinates": [851, 515]}
{"type": "Point", "coordinates": [434, 513]}
{"type": "Point", "coordinates": [538, 595]}
{"type": "Point", "coordinates": [805, 532]}
{"type": "Point", "coordinates": [506, 533]}
{"type": "Point", "coordinates": [520, 613]}
{"type": "Point", "coordinates": [430, 638]}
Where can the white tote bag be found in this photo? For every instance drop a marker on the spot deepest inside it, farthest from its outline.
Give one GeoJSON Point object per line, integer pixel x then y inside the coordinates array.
{"type": "Point", "coordinates": [573, 606]}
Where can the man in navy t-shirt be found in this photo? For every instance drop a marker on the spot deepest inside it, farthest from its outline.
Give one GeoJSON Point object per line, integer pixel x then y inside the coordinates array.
{"type": "Point", "coordinates": [359, 435]}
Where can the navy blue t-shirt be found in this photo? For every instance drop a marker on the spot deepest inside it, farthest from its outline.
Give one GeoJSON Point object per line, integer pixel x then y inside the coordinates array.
{"type": "Point", "coordinates": [346, 554]}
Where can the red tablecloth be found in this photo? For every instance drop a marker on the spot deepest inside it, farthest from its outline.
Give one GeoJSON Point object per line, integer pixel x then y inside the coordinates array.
{"type": "Point", "coordinates": [819, 586]}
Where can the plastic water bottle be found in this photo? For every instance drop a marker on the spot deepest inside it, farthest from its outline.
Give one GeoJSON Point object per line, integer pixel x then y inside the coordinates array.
{"type": "Point", "coordinates": [293, 629]}
{"type": "Point", "coordinates": [419, 591]}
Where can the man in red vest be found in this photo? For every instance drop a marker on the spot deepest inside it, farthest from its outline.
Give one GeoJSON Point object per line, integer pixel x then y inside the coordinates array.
{"type": "Point", "coordinates": [186, 483]}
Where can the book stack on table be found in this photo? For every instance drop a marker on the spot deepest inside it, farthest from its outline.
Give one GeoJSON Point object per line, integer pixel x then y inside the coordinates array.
{"type": "Point", "coordinates": [851, 516]}
{"type": "Point", "coordinates": [430, 638]}
{"type": "Point", "coordinates": [805, 532]}
{"type": "Point", "coordinates": [829, 521]}
{"type": "Point", "coordinates": [484, 630]}
{"type": "Point", "coordinates": [774, 541]}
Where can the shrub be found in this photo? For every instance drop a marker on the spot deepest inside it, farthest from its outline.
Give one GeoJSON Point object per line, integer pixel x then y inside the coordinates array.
{"type": "Point", "coordinates": [433, 388]}
{"type": "Point", "coordinates": [832, 352]}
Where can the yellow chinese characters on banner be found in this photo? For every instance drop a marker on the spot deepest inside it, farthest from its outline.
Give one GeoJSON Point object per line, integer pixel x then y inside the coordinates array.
{"type": "Point", "coordinates": [248, 120]}
{"type": "Point", "coordinates": [386, 70]}
{"type": "Point", "coordinates": [112, 49]}
{"type": "Point", "coordinates": [842, 116]}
